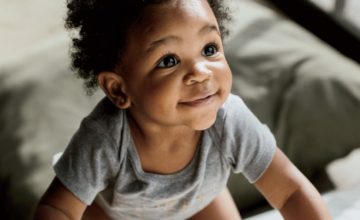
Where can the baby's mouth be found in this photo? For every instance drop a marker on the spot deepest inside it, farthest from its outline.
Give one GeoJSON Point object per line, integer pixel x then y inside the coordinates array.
{"type": "Point", "coordinates": [198, 101]}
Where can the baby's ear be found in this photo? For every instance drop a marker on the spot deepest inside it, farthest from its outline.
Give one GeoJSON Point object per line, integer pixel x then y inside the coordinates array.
{"type": "Point", "coordinates": [114, 87]}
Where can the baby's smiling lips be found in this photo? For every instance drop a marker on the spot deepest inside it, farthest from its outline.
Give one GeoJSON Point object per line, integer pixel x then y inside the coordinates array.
{"type": "Point", "coordinates": [198, 101]}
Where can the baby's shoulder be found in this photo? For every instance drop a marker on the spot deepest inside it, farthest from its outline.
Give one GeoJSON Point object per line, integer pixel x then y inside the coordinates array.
{"type": "Point", "coordinates": [234, 118]}
{"type": "Point", "coordinates": [106, 123]}
{"type": "Point", "coordinates": [230, 109]}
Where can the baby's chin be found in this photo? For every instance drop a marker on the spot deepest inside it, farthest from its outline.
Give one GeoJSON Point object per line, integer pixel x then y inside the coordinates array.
{"type": "Point", "coordinates": [204, 123]}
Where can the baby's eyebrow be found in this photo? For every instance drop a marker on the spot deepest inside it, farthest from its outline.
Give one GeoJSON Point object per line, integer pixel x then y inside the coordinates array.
{"type": "Point", "coordinates": [161, 41]}
{"type": "Point", "coordinates": [208, 28]}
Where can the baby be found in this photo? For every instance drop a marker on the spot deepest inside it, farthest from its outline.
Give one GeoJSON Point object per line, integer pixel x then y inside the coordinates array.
{"type": "Point", "coordinates": [163, 141]}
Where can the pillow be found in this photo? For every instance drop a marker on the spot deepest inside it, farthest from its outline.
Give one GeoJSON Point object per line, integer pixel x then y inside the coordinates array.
{"type": "Point", "coordinates": [343, 172]}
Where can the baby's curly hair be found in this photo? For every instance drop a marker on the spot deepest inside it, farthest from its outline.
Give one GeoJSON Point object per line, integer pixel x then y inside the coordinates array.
{"type": "Point", "coordinates": [102, 26]}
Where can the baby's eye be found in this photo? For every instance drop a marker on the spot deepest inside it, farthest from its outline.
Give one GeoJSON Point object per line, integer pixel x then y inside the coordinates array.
{"type": "Point", "coordinates": [209, 50]}
{"type": "Point", "coordinates": [168, 62]}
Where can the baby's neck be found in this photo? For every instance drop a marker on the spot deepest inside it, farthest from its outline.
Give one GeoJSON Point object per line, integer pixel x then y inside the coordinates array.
{"type": "Point", "coordinates": [165, 151]}
{"type": "Point", "coordinates": [167, 138]}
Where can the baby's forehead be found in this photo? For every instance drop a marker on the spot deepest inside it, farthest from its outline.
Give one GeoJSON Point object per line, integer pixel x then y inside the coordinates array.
{"type": "Point", "coordinates": [162, 17]}
{"type": "Point", "coordinates": [168, 25]}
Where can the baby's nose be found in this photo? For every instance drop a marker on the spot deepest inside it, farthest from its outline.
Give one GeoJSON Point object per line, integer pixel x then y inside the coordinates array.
{"type": "Point", "coordinates": [198, 73]}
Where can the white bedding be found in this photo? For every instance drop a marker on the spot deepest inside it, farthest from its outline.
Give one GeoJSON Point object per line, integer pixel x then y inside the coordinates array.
{"type": "Point", "coordinates": [343, 205]}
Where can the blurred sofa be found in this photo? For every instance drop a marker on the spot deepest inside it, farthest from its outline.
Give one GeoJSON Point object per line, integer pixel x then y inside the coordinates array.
{"type": "Point", "coordinates": [305, 91]}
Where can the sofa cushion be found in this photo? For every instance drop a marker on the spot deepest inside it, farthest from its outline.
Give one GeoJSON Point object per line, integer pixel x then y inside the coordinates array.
{"type": "Point", "coordinates": [42, 104]}
{"type": "Point", "coordinates": [305, 91]}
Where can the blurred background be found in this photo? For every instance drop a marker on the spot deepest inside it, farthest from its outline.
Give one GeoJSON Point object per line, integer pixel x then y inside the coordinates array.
{"type": "Point", "coordinates": [295, 63]}
{"type": "Point", "coordinates": [26, 24]}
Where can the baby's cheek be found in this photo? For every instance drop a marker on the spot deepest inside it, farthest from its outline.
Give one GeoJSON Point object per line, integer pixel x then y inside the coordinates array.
{"type": "Point", "coordinates": [225, 78]}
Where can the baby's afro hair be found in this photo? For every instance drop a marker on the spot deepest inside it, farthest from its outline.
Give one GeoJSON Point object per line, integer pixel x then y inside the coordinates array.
{"type": "Point", "coordinates": [102, 26]}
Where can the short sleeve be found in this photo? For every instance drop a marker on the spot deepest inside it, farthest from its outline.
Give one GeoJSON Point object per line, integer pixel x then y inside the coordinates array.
{"type": "Point", "coordinates": [248, 145]}
{"type": "Point", "coordinates": [89, 162]}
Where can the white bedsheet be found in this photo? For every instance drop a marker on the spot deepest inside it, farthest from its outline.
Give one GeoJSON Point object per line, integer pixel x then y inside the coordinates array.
{"type": "Point", "coordinates": [343, 205]}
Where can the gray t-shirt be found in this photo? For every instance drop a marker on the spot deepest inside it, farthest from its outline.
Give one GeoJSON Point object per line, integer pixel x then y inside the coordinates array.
{"type": "Point", "coordinates": [101, 162]}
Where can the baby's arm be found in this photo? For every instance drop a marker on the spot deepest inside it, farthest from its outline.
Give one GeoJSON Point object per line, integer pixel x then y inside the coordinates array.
{"type": "Point", "coordinates": [289, 191]}
{"type": "Point", "coordinates": [222, 207]}
{"type": "Point", "coordinates": [59, 203]}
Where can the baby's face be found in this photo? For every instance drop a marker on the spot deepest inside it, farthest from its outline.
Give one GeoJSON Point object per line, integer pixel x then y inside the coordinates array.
{"type": "Point", "coordinates": [174, 66]}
